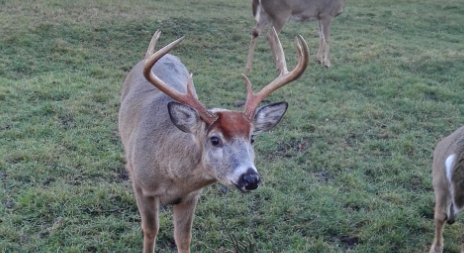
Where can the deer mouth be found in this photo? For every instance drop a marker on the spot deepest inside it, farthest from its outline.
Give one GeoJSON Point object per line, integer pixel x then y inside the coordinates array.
{"type": "Point", "coordinates": [241, 188]}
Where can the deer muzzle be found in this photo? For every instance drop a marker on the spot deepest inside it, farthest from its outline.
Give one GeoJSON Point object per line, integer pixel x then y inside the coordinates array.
{"type": "Point", "coordinates": [249, 180]}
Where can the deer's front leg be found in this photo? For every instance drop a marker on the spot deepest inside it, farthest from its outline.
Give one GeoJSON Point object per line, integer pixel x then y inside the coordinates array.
{"type": "Point", "coordinates": [254, 37]}
{"type": "Point", "coordinates": [148, 209]}
{"type": "Point", "coordinates": [260, 25]}
{"type": "Point", "coordinates": [183, 219]}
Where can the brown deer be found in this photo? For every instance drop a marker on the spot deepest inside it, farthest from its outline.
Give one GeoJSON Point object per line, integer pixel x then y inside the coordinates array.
{"type": "Point", "coordinates": [448, 184]}
{"type": "Point", "coordinates": [175, 146]}
{"type": "Point", "coordinates": [279, 11]}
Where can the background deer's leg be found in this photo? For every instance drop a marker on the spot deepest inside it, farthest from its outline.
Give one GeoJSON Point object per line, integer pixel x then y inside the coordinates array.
{"type": "Point", "coordinates": [279, 58]}
{"type": "Point", "coordinates": [440, 216]}
{"type": "Point", "coordinates": [324, 40]}
{"type": "Point", "coordinates": [148, 208]}
{"type": "Point", "coordinates": [183, 219]}
{"type": "Point", "coordinates": [260, 25]}
{"type": "Point", "coordinates": [321, 42]}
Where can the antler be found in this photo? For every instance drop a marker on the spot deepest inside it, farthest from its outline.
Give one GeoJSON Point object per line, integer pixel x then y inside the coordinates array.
{"type": "Point", "coordinates": [188, 98]}
{"type": "Point", "coordinates": [253, 99]}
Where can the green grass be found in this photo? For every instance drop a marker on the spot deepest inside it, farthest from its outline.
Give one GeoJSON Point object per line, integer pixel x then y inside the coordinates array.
{"type": "Point", "coordinates": [347, 169]}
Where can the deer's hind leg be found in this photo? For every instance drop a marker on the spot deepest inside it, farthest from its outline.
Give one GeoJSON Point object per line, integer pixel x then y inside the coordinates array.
{"type": "Point", "coordinates": [148, 209]}
{"type": "Point", "coordinates": [462, 243]}
{"type": "Point", "coordinates": [324, 41]}
{"type": "Point", "coordinates": [440, 217]}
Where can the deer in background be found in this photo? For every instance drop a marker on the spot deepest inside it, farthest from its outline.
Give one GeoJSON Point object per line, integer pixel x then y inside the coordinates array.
{"type": "Point", "coordinates": [175, 146]}
{"type": "Point", "coordinates": [279, 11]}
{"type": "Point", "coordinates": [448, 184]}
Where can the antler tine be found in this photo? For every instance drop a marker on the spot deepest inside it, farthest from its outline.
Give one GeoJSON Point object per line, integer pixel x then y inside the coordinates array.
{"type": "Point", "coordinates": [188, 98]}
{"type": "Point", "coordinates": [151, 46]}
{"type": "Point", "coordinates": [253, 99]}
{"type": "Point", "coordinates": [277, 51]}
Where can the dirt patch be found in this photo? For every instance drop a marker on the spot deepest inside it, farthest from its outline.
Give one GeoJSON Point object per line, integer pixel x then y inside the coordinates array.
{"type": "Point", "coordinates": [347, 241]}
{"type": "Point", "coordinates": [3, 175]}
{"type": "Point", "coordinates": [290, 148]}
{"type": "Point", "coordinates": [323, 176]}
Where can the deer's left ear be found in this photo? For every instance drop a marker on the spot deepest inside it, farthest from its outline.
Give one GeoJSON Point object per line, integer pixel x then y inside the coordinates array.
{"type": "Point", "coordinates": [266, 117]}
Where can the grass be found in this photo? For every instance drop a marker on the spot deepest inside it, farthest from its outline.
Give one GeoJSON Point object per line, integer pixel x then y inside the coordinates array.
{"type": "Point", "coordinates": [347, 169]}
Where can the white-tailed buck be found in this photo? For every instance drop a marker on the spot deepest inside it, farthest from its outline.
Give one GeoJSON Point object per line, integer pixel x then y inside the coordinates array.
{"type": "Point", "coordinates": [279, 11]}
{"type": "Point", "coordinates": [175, 146]}
{"type": "Point", "coordinates": [448, 184]}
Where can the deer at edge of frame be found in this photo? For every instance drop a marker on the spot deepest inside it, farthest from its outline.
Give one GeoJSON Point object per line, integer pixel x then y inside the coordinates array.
{"type": "Point", "coordinates": [280, 11]}
{"type": "Point", "coordinates": [448, 186]}
{"type": "Point", "coordinates": [175, 146]}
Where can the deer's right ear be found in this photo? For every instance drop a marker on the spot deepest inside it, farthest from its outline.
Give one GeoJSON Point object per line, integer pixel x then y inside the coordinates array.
{"type": "Point", "coordinates": [183, 116]}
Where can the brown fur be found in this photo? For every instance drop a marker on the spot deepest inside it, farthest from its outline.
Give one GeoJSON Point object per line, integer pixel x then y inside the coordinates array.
{"type": "Point", "coordinates": [444, 207]}
{"type": "Point", "coordinates": [279, 11]}
{"type": "Point", "coordinates": [232, 124]}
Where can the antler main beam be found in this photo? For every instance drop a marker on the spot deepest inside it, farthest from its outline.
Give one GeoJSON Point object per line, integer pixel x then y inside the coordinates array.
{"type": "Point", "coordinates": [285, 77]}
{"type": "Point", "coordinates": [188, 98]}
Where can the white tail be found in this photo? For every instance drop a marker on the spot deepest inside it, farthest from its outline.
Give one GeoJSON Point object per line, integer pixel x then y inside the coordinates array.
{"type": "Point", "coordinates": [448, 186]}
{"type": "Point", "coordinates": [279, 11]}
{"type": "Point", "coordinates": [175, 146]}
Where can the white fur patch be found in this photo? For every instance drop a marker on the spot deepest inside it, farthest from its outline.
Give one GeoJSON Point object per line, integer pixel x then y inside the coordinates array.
{"type": "Point", "coordinates": [258, 12]}
{"type": "Point", "coordinates": [449, 173]}
{"type": "Point", "coordinates": [448, 165]}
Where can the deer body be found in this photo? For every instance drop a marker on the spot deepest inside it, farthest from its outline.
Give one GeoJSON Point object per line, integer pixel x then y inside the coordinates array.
{"type": "Point", "coordinates": [280, 11]}
{"type": "Point", "coordinates": [448, 178]}
{"type": "Point", "coordinates": [174, 146]}
{"type": "Point", "coordinates": [147, 105]}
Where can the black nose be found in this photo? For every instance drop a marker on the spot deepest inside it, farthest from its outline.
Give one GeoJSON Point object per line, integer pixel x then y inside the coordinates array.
{"type": "Point", "coordinates": [249, 180]}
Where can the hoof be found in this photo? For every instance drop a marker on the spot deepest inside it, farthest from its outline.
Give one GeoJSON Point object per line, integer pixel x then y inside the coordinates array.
{"type": "Point", "coordinates": [436, 249]}
{"type": "Point", "coordinates": [327, 64]}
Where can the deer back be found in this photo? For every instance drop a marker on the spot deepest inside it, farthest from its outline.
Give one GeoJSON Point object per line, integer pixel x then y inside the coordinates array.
{"type": "Point", "coordinates": [304, 10]}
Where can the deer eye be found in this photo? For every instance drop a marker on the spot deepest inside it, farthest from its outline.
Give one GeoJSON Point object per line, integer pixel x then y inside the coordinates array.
{"type": "Point", "coordinates": [252, 139]}
{"type": "Point", "coordinates": [215, 141]}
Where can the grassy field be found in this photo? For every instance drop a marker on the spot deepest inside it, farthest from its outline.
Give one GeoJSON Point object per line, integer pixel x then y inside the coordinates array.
{"type": "Point", "coordinates": [347, 169]}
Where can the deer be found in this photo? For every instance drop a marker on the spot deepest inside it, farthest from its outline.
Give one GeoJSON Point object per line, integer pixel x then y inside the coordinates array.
{"type": "Point", "coordinates": [279, 11]}
{"type": "Point", "coordinates": [448, 186]}
{"type": "Point", "coordinates": [174, 146]}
